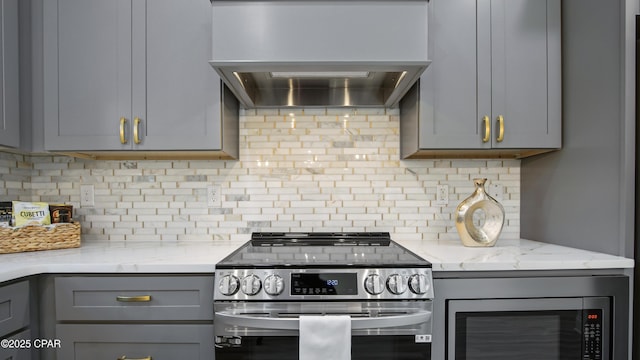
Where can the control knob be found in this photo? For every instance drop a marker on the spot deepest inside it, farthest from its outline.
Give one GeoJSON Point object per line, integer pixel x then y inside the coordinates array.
{"type": "Point", "coordinates": [396, 285]}
{"type": "Point", "coordinates": [273, 285]}
{"type": "Point", "coordinates": [418, 284]}
{"type": "Point", "coordinates": [373, 284]}
{"type": "Point", "coordinates": [229, 285]}
{"type": "Point", "coordinates": [251, 284]}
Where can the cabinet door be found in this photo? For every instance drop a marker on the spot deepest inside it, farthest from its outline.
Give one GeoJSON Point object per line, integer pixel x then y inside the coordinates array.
{"type": "Point", "coordinates": [526, 81]}
{"type": "Point", "coordinates": [176, 92]}
{"type": "Point", "coordinates": [14, 307]}
{"type": "Point", "coordinates": [452, 90]}
{"type": "Point", "coordinates": [495, 77]}
{"type": "Point", "coordinates": [131, 341]}
{"type": "Point", "coordinates": [20, 352]}
{"type": "Point", "coordinates": [87, 74]}
{"type": "Point", "coordinates": [9, 80]}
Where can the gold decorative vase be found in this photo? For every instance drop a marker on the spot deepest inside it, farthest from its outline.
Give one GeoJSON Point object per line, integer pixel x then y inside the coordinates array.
{"type": "Point", "coordinates": [479, 218]}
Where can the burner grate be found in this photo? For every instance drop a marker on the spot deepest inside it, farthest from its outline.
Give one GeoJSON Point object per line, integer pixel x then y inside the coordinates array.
{"type": "Point", "coordinates": [268, 239]}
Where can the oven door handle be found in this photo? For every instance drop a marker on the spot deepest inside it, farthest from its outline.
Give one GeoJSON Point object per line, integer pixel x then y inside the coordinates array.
{"type": "Point", "coordinates": [415, 318]}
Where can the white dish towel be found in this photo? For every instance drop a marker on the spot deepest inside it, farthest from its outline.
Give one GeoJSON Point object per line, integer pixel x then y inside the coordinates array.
{"type": "Point", "coordinates": [325, 337]}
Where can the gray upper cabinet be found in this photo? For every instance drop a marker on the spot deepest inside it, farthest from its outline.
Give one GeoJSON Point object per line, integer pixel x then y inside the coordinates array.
{"type": "Point", "coordinates": [494, 84]}
{"type": "Point", "coordinates": [132, 75]}
{"type": "Point", "coordinates": [9, 76]}
{"type": "Point", "coordinates": [87, 69]}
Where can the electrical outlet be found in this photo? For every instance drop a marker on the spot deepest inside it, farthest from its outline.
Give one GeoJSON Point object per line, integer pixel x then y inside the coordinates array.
{"type": "Point", "coordinates": [213, 196]}
{"type": "Point", "coordinates": [87, 196]}
{"type": "Point", "coordinates": [442, 194]}
{"type": "Point", "coordinates": [496, 191]}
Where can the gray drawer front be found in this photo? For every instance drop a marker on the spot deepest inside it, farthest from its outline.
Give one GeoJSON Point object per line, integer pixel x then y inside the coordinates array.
{"type": "Point", "coordinates": [14, 307]}
{"type": "Point", "coordinates": [17, 353]}
{"type": "Point", "coordinates": [95, 298]}
{"type": "Point", "coordinates": [159, 342]}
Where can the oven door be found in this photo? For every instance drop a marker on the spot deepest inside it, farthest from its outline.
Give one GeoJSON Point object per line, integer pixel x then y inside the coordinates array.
{"type": "Point", "coordinates": [528, 329]}
{"type": "Point", "coordinates": [269, 331]}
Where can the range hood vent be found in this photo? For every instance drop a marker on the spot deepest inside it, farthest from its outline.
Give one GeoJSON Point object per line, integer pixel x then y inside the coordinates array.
{"type": "Point", "coordinates": [351, 53]}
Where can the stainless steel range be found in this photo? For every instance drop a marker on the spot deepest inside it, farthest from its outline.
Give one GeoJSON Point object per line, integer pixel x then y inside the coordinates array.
{"type": "Point", "coordinates": [266, 287]}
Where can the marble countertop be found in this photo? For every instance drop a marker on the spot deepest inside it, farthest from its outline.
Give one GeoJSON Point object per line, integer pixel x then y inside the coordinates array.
{"type": "Point", "coordinates": [512, 254]}
{"type": "Point", "coordinates": [201, 257]}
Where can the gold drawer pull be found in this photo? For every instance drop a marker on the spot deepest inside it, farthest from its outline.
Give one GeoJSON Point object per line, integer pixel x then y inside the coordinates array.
{"type": "Point", "coordinates": [487, 129]}
{"type": "Point", "coordinates": [136, 130]}
{"type": "Point", "coordinates": [501, 127]}
{"type": "Point", "coordinates": [123, 357]}
{"type": "Point", "coordinates": [141, 298]}
{"type": "Point", "coordinates": [123, 122]}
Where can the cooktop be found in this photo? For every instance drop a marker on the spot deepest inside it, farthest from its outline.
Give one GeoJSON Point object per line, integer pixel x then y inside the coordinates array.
{"type": "Point", "coordinates": [321, 250]}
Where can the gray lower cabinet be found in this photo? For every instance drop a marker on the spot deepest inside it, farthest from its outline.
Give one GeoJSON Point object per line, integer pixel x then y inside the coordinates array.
{"type": "Point", "coordinates": [9, 75]}
{"type": "Point", "coordinates": [133, 75]}
{"type": "Point", "coordinates": [494, 82]}
{"type": "Point", "coordinates": [20, 348]}
{"type": "Point", "coordinates": [157, 342]}
{"type": "Point", "coordinates": [15, 320]}
{"type": "Point", "coordinates": [134, 317]}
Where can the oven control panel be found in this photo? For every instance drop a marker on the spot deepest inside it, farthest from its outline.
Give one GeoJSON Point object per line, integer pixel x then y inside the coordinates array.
{"type": "Point", "coordinates": [323, 284]}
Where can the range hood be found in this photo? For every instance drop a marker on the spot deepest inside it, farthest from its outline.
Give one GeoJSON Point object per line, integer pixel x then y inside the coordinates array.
{"type": "Point", "coordinates": [306, 53]}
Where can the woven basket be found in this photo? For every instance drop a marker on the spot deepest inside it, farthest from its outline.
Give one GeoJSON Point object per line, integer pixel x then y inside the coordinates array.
{"type": "Point", "coordinates": [35, 237]}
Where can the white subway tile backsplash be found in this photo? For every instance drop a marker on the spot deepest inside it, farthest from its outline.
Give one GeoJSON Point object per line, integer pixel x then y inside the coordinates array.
{"type": "Point", "coordinates": [299, 170]}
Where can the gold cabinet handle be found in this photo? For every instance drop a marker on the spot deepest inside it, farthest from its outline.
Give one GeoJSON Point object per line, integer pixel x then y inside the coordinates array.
{"type": "Point", "coordinates": [501, 129]}
{"type": "Point", "coordinates": [141, 298]}
{"type": "Point", "coordinates": [124, 357]}
{"type": "Point", "coordinates": [123, 138]}
{"type": "Point", "coordinates": [487, 129]}
{"type": "Point", "coordinates": [136, 129]}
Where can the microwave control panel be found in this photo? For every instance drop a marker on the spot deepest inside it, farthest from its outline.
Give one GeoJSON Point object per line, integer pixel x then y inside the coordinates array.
{"type": "Point", "coordinates": [592, 335]}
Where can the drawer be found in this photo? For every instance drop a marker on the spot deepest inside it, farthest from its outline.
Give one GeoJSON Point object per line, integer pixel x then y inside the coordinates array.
{"type": "Point", "coordinates": [14, 307]}
{"type": "Point", "coordinates": [17, 352]}
{"type": "Point", "coordinates": [139, 298]}
{"type": "Point", "coordinates": [157, 342]}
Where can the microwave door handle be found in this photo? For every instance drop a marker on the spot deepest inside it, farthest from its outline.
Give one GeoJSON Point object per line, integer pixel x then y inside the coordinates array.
{"type": "Point", "coordinates": [293, 323]}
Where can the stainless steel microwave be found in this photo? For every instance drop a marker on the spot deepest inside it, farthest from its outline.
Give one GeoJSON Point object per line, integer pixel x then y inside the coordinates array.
{"type": "Point", "coordinates": [528, 329]}
{"type": "Point", "coordinates": [551, 315]}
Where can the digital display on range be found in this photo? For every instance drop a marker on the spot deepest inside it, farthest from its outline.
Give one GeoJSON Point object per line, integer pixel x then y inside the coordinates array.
{"type": "Point", "coordinates": [324, 284]}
